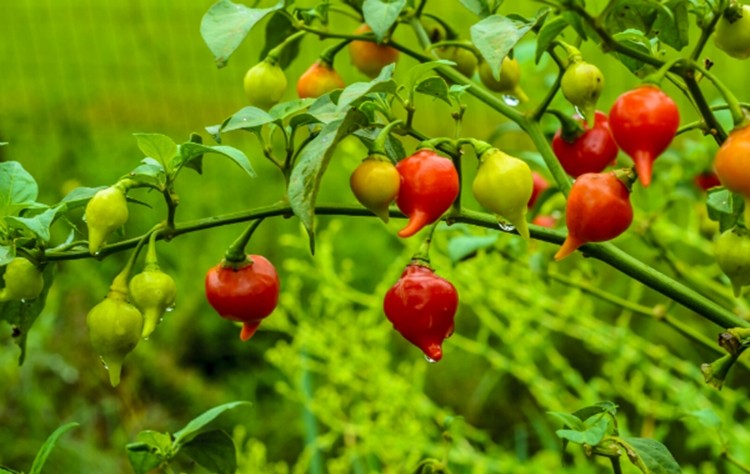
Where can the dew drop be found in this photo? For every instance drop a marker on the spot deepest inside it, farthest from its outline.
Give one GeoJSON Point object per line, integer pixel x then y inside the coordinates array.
{"type": "Point", "coordinates": [23, 300]}
{"type": "Point", "coordinates": [84, 218]}
{"type": "Point", "coordinates": [168, 309]}
{"type": "Point", "coordinates": [104, 363]}
{"type": "Point", "coordinates": [511, 100]}
{"type": "Point", "coordinates": [428, 359]}
{"type": "Point", "coordinates": [506, 227]}
{"type": "Point", "coordinates": [97, 253]}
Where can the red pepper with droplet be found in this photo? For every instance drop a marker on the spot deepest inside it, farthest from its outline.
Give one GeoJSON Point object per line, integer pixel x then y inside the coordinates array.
{"type": "Point", "coordinates": [429, 185]}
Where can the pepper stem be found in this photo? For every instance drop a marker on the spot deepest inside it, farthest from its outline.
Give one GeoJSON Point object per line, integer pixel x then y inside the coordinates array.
{"type": "Point", "coordinates": [274, 55]}
{"type": "Point", "coordinates": [330, 53]}
{"type": "Point", "coordinates": [378, 146]}
{"type": "Point", "coordinates": [480, 147]}
{"type": "Point", "coordinates": [422, 257]}
{"type": "Point", "coordinates": [235, 255]}
{"type": "Point", "coordinates": [570, 128]}
{"type": "Point", "coordinates": [119, 287]}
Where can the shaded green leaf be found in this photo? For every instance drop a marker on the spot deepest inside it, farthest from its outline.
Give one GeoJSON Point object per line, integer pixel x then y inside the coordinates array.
{"type": "Point", "coordinates": [287, 109]}
{"type": "Point", "coordinates": [278, 29]}
{"type": "Point", "coordinates": [435, 87]}
{"type": "Point", "coordinates": [311, 165]}
{"type": "Point", "coordinates": [380, 15]}
{"type": "Point", "coordinates": [707, 417]}
{"type": "Point", "coordinates": [38, 225]}
{"type": "Point", "coordinates": [7, 253]}
{"type": "Point", "coordinates": [79, 197]}
{"type": "Point", "coordinates": [672, 24]}
{"type": "Point", "coordinates": [478, 7]}
{"type": "Point", "coordinates": [636, 40]}
{"type": "Point", "coordinates": [226, 24]}
{"type": "Point", "coordinates": [46, 449]}
{"type": "Point", "coordinates": [602, 407]}
{"type": "Point", "coordinates": [195, 426]}
{"type": "Point", "coordinates": [724, 207]}
{"type": "Point", "coordinates": [196, 163]}
{"type": "Point", "coordinates": [547, 34]}
{"type": "Point", "coordinates": [650, 456]}
{"type": "Point", "coordinates": [213, 450]}
{"type": "Point", "coordinates": [496, 35]}
{"type": "Point", "coordinates": [142, 457]}
{"type": "Point", "coordinates": [416, 72]}
{"type": "Point", "coordinates": [394, 149]}
{"type": "Point", "coordinates": [161, 442]}
{"type": "Point", "coordinates": [382, 83]}
{"type": "Point", "coordinates": [592, 435]}
{"type": "Point", "coordinates": [16, 186]}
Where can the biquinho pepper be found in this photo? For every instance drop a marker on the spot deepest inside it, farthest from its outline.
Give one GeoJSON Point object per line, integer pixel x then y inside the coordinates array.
{"type": "Point", "coordinates": [319, 79]}
{"type": "Point", "coordinates": [643, 122]}
{"type": "Point", "coordinates": [598, 209]}
{"type": "Point", "coordinates": [422, 306]}
{"type": "Point", "coordinates": [509, 82]}
{"type": "Point", "coordinates": [152, 291]}
{"type": "Point", "coordinates": [429, 185]}
{"type": "Point", "coordinates": [106, 212]}
{"type": "Point", "coordinates": [504, 185]}
{"type": "Point", "coordinates": [375, 184]}
{"type": "Point", "coordinates": [589, 152]}
{"type": "Point", "coordinates": [115, 327]}
{"type": "Point", "coordinates": [23, 281]}
{"type": "Point", "coordinates": [368, 57]}
{"type": "Point", "coordinates": [245, 292]}
{"type": "Point", "coordinates": [265, 84]}
{"type": "Point", "coordinates": [732, 251]}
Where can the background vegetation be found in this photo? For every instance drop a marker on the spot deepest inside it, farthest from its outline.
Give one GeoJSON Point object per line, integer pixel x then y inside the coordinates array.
{"type": "Point", "coordinates": [334, 388]}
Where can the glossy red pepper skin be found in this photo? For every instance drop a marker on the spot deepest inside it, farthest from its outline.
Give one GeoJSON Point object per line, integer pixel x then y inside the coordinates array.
{"type": "Point", "coordinates": [429, 185]}
{"type": "Point", "coordinates": [422, 306]}
{"type": "Point", "coordinates": [540, 185]}
{"type": "Point", "coordinates": [591, 152]}
{"type": "Point", "coordinates": [247, 294]}
{"type": "Point", "coordinates": [598, 209]}
{"type": "Point", "coordinates": [643, 122]}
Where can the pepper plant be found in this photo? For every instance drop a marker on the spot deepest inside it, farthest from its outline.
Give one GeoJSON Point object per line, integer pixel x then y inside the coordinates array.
{"type": "Point", "coordinates": [421, 173]}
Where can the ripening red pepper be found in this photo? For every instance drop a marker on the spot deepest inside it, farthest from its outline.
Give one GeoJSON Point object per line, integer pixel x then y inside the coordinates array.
{"type": "Point", "coordinates": [598, 209]}
{"type": "Point", "coordinates": [643, 122]}
{"type": "Point", "coordinates": [590, 152]}
{"type": "Point", "coordinates": [247, 293]}
{"type": "Point", "coordinates": [731, 162]}
{"type": "Point", "coordinates": [319, 79]}
{"type": "Point", "coordinates": [429, 185]}
{"type": "Point", "coordinates": [707, 180]}
{"type": "Point", "coordinates": [422, 306]}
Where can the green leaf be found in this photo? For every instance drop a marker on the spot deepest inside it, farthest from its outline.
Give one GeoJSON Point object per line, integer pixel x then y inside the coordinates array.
{"type": "Point", "coordinates": [568, 420]}
{"type": "Point", "coordinates": [7, 253]}
{"type": "Point", "coordinates": [496, 35]}
{"type": "Point", "coordinates": [161, 442]}
{"type": "Point", "coordinates": [650, 456]}
{"type": "Point", "coordinates": [248, 118]}
{"type": "Point", "coordinates": [3, 143]}
{"type": "Point", "coordinates": [547, 34]}
{"type": "Point", "coordinates": [311, 165]}
{"type": "Point", "coordinates": [196, 162]}
{"type": "Point", "coordinates": [478, 7]}
{"type": "Point", "coordinates": [381, 15]}
{"type": "Point", "coordinates": [278, 29]}
{"type": "Point", "coordinates": [707, 417]}
{"type": "Point", "coordinates": [191, 151]}
{"type": "Point", "coordinates": [142, 457]}
{"type": "Point", "coordinates": [38, 225]}
{"type": "Point", "coordinates": [5, 470]}
{"type": "Point", "coordinates": [382, 83]}
{"type": "Point", "coordinates": [194, 427]}
{"type": "Point", "coordinates": [435, 87]}
{"type": "Point", "coordinates": [43, 454]}
{"type": "Point", "coordinates": [592, 435]}
{"type": "Point", "coordinates": [673, 26]}
{"type": "Point", "coordinates": [157, 146]}
{"type": "Point", "coordinates": [150, 172]}
{"type": "Point", "coordinates": [602, 407]}
{"type": "Point", "coordinates": [225, 25]}
{"type": "Point", "coordinates": [724, 207]}
{"type": "Point", "coordinates": [636, 40]}
{"type": "Point", "coordinates": [79, 197]}
{"type": "Point", "coordinates": [21, 315]}
{"type": "Point", "coordinates": [16, 186]}
{"type": "Point", "coordinates": [213, 450]}
{"type": "Point", "coordinates": [416, 72]}
{"type": "Point", "coordinates": [287, 109]}
{"type": "Point", "coordinates": [462, 247]}
{"type": "Point", "coordinates": [394, 149]}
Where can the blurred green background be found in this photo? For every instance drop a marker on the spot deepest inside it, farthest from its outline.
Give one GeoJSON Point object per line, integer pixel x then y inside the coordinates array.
{"type": "Point", "coordinates": [334, 388]}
